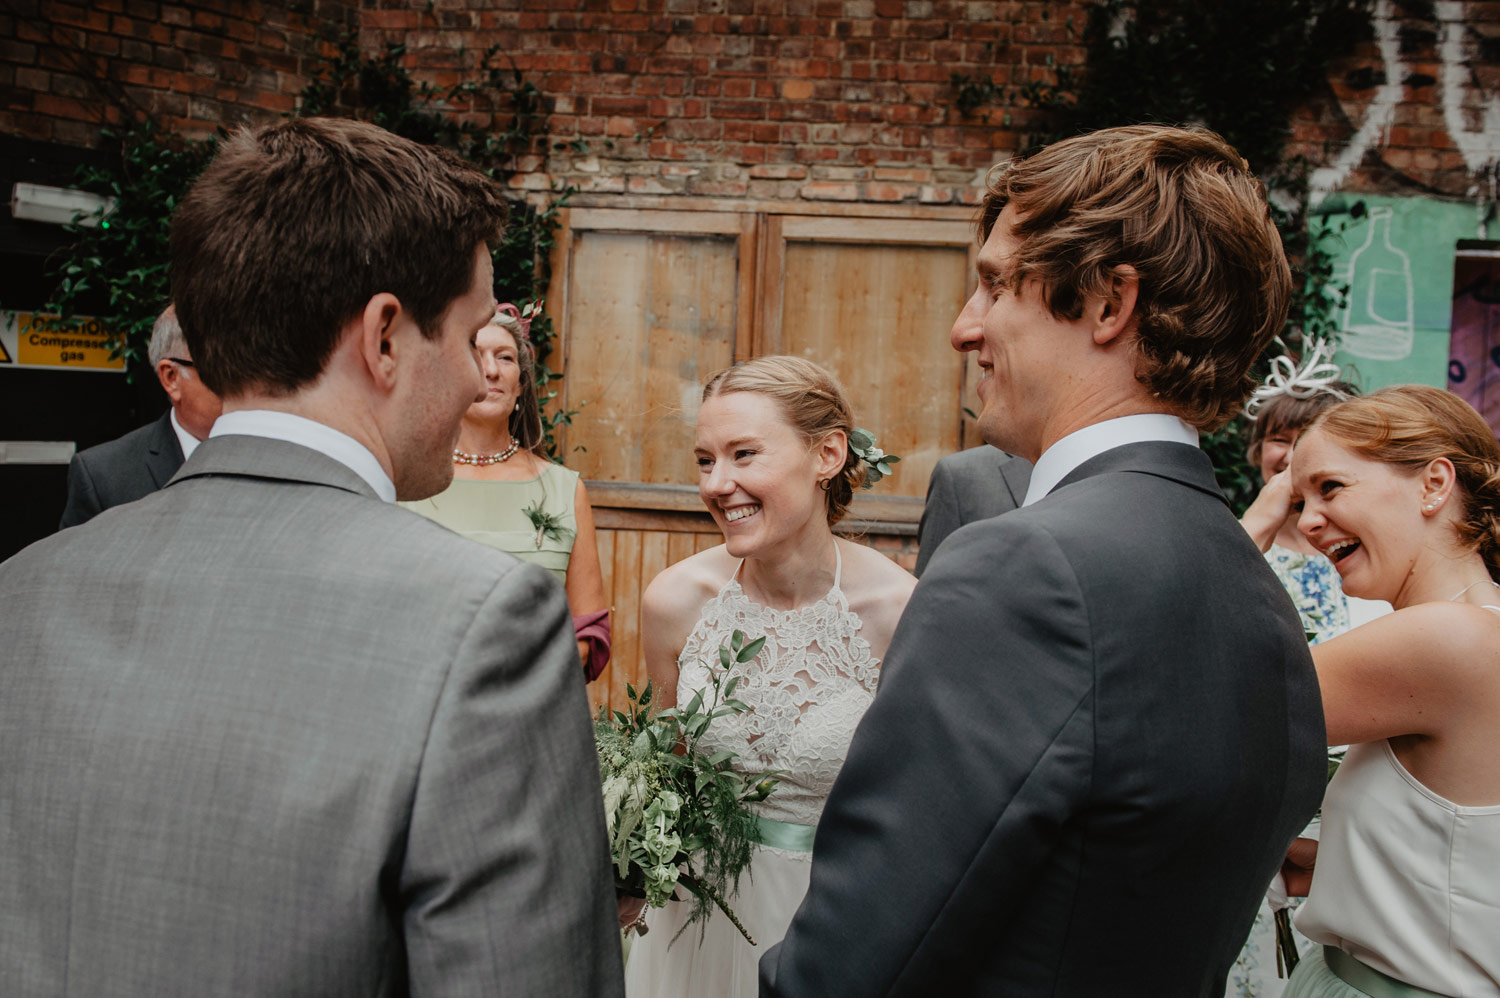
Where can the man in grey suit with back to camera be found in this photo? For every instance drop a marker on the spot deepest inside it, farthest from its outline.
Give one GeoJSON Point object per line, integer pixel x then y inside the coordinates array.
{"type": "Point", "coordinates": [145, 459]}
{"type": "Point", "coordinates": [265, 733]}
{"type": "Point", "coordinates": [1098, 726]}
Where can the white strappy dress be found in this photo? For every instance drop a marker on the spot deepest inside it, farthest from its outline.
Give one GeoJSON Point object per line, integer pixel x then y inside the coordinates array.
{"type": "Point", "coordinates": [807, 690]}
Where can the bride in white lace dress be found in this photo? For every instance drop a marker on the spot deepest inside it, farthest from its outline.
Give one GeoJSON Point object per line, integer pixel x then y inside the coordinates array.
{"type": "Point", "coordinates": [776, 472]}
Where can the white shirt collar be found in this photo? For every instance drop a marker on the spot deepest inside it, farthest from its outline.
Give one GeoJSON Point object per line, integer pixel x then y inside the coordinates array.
{"type": "Point", "coordinates": [188, 442]}
{"type": "Point", "coordinates": [309, 433]}
{"type": "Point", "coordinates": [1059, 460]}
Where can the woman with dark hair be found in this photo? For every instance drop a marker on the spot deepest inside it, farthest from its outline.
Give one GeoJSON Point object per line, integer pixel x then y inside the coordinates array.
{"type": "Point", "coordinates": [1313, 584]}
{"type": "Point", "coordinates": [1309, 578]}
{"type": "Point", "coordinates": [506, 494]}
{"type": "Point", "coordinates": [1401, 491]}
{"type": "Point", "coordinates": [776, 470]}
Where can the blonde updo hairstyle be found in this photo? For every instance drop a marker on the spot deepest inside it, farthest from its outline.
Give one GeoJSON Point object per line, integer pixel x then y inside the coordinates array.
{"type": "Point", "coordinates": [1412, 425]}
{"type": "Point", "coordinates": [812, 402]}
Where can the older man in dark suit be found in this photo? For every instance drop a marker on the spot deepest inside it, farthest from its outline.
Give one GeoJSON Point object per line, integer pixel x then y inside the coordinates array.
{"type": "Point", "coordinates": [1098, 711]}
{"type": "Point", "coordinates": [145, 459]}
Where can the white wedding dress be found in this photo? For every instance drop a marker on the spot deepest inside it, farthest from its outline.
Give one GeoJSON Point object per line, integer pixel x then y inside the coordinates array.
{"type": "Point", "coordinates": [807, 690]}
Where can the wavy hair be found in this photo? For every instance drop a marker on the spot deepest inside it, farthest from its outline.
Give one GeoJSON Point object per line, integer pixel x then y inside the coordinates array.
{"type": "Point", "coordinates": [1181, 208]}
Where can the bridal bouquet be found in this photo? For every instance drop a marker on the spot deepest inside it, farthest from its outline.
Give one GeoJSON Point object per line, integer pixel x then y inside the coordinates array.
{"type": "Point", "coordinates": [675, 814]}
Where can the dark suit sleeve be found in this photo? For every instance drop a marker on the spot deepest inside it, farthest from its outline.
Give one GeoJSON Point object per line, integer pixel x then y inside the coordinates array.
{"type": "Point", "coordinates": [506, 885]}
{"type": "Point", "coordinates": [83, 500]}
{"type": "Point", "coordinates": [977, 749]}
{"type": "Point", "coordinates": [940, 514]}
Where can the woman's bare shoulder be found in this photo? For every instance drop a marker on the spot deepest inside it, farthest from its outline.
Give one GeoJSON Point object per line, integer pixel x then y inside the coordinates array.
{"type": "Point", "coordinates": [869, 574]}
{"type": "Point", "coordinates": [877, 590]}
{"type": "Point", "coordinates": [1455, 639]}
{"type": "Point", "coordinates": [679, 591]}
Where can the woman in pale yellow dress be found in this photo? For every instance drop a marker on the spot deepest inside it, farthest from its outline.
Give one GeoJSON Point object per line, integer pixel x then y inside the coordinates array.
{"type": "Point", "coordinates": [507, 494]}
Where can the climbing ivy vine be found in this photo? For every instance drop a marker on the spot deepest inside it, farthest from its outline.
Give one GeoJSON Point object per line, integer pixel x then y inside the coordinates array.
{"type": "Point", "coordinates": [119, 271]}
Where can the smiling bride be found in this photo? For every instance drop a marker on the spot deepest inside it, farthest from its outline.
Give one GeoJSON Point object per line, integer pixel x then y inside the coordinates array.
{"type": "Point", "coordinates": [776, 471]}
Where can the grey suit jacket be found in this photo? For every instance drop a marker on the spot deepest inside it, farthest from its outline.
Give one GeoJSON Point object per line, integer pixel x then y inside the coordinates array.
{"type": "Point", "coordinates": [1097, 729]}
{"type": "Point", "coordinates": [970, 485]}
{"type": "Point", "coordinates": [264, 734]}
{"type": "Point", "coordinates": [122, 470]}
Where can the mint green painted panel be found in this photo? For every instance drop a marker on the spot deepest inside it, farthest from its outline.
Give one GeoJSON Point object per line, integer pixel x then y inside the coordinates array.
{"type": "Point", "coordinates": [1398, 261]}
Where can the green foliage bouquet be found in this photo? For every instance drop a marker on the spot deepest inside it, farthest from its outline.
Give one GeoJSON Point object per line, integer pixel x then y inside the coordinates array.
{"type": "Point", "coordinates": [676, 814]}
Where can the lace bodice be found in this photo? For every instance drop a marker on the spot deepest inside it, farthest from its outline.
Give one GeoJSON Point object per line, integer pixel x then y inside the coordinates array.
{"type": "Point", "coordinates": [807, 690]}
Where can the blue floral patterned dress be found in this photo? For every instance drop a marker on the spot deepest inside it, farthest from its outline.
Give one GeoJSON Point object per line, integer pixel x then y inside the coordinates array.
{"type": "Point", "coordinates": [1313, 584]}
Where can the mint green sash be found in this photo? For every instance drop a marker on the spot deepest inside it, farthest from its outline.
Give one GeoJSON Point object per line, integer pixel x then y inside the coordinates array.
{"type": "Point", "coordinates": [1369, 980]}
{"type": "Point", "coordinates": [784, 835]}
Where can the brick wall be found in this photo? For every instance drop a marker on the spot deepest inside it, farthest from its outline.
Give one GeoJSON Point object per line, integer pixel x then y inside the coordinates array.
{"type": "Point", "coordinates": [1414, 111]}
{"type": "Point", "coordinates": [67, 70]}
{"type": "Point", "coordinates": [829, 100]}
{"type": "Point", "coordinates": [842, 100]}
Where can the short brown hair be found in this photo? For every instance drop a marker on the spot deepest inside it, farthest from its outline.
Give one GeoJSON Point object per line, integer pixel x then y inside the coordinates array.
{"type": "Point", "coordinates": [1180, 207]}
{"type": "Point", "coordinates": [813, 403]}
{"type": "Point", "coordinates": [296, 225]}
{"type": "Point", "coordinates": [1412, 425]}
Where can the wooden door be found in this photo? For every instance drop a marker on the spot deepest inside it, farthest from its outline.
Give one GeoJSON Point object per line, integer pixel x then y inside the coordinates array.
{"type": "Point", "coordinates": [873, 300]}
{"type": "Point", "coordinates": [649, 303]}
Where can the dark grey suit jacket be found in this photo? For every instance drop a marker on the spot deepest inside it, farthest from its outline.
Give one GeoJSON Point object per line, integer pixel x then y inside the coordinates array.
{"type": "Point", "coordinates": [1097, 730]}
{"type": "Point", "coordinates": [266, 735]}
{"type": "Point", "coordinates": [970, 485]}
{"type": "Point", "coordinates": [122, 470]}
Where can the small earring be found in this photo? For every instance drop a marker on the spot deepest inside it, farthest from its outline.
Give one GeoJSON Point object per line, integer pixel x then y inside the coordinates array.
{"type": "Point", "coordinates": [1429, 507]}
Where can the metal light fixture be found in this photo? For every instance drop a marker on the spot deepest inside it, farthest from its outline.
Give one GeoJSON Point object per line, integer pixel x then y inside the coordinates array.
{"type": "Point", "coordinates": [59, 205]}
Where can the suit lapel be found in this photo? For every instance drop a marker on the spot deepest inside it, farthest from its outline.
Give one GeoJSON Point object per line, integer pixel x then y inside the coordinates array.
{"type": "Point", "coordinates": [1016, 472]}
{"type": "Point", "coordinates": [1181, 463]}
{"type": "Point", "coordinates": [163, 452]}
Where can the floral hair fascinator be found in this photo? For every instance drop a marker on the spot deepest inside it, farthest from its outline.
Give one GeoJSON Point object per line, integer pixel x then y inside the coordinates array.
{"type": "Point", "coordinates": [523, 316]}
{"type": "Point", "coordinates": [1315, 375]}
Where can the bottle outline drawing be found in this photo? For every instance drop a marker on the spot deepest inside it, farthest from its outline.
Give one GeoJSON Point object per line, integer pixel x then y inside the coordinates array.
{"type": "Point", "coordinates": [1370, 331]}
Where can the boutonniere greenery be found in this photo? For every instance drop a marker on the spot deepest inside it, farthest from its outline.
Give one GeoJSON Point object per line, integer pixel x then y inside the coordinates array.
{"type": "Point", "coordinates": [548, 525]}
{"type": "Point", "coordinates": [877, 462]}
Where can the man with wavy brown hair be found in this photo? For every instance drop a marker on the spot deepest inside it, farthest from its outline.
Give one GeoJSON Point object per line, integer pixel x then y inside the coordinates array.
{"type": "Point", "coordinates": [1098, 717]}
{"type": "Point", "coordinates": [264, 732]}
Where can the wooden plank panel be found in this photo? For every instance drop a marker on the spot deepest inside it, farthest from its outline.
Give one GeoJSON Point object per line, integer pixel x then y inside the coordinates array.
{"type": "Point", "coordinates": [879, 317]}
{"type": "Point", "coordinates": [627, 603]}
{"type": "Point", "coordinates": [634, 220]}
{"type": "Point", "coordinates": [606, 326]}
{"type": "Point", "coordinates": [654, 558]}
{"type": "Point", "coordinates": [654, 546]}
{"type": "Point", "coordinates": [906, 232]}
{"type": "Point", "coordinates": [678, 203]}
{"type": "Point", "coordinates": [680, 546]}
{"type": "Point", "coordinates": [747, 322]}
{"type": "Point", "coordinates": [690, 337]}
{"type": "Point", "coordinates": [771, 263]}
{"type": "Point", "coordinates": [650, 316]}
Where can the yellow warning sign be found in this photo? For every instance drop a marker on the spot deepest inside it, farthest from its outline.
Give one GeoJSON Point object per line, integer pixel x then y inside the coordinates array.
{"type": "Point", "coordinates": [81, 344]}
